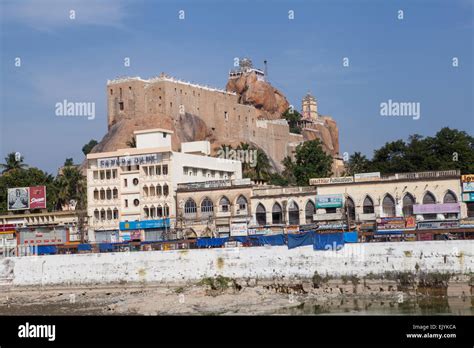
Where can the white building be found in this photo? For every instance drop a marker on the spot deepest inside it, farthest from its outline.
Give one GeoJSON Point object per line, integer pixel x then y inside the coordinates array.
{"type": "Point", "coordinates": [138, 185]}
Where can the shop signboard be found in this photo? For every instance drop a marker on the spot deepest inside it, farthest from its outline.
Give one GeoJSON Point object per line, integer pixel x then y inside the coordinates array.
{"type": "Point", "coordinates": [329, 201]}
{"type": "Point", "coordinates": [145, 224]}
{"type": "Point", "coordinates": [238, 229]}
{"type": "Point", "coordinates": [468, 197]}
{"type": "Point", "coordinates": [327, 181]}
{"type": "Point", "coordinates": [292, 229]}
{"type": "Point", "coordinates": [467, 178]}
{"type": "Point", "coordinates": [124, 236]}
{"type": "Point", "coordinates": [438, 225]}
{"type": "Point", "coordinates": [468, 186]}
{"type": "Point", "coordinates": [258, 231]}
{"type": "Point", "coordinates": [112, 162]}
{"type": "Point", "coordinates": [436, 208]}
{"type": "Point", "coordinates": [8, 228]}
{"type": "Point", "coordinates": [360, 177]}
{"type": "Point", "coordinates": [223, 229]}
{"type": "Point", "coordinates": [390, 223]}
{"type": "Point", "coordinates": [43, 236]}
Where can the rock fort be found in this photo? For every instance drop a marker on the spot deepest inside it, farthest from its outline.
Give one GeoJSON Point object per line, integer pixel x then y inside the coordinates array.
{"type": "Point", "coordinates": [248, 110]}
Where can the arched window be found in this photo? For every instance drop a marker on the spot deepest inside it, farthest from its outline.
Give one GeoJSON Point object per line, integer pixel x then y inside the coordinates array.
{"type": "Point", "coordinates": [350, 207]}
{"type": "Point", "coordinates": [116, 214]}
{"type": "Point", "coordinates": [96, 214]}
{"type": "Point", "coordinates": [368, 205]}
{"type": "Point", "coordinates": [102, 194]}
{"type": "Point", "coordinates": [207, 207]}
{"type": "Point", "coordinates": [224, 204]}
{"type": "Point", "coordinates": [429, 198]}
{"type": "Point", "coordinates": [408, 202]}
{"type": "Point", "coordinates": [166, 210]}
{"type": "Point", "coordinates": [450, 197]}
{"type": "Point", "coordinates": [159, 211]}
{"type": "Point", "coordinates": [388, 206]}
{"type": "Point", "coordinates": [277, 216]}
{"type": "Point", "coordinates": [108, 193]}
{"type": "Point", "coordinates": [261, 215]}
{"type": "Point", "coordinates": [242, 204]}
{"type": "Point", "coordinates": [152, 190]}
{"type": "Point", "coordinates": [115, 193]}
{"type": "Point", "coordinates": [293, 213]}
{"type": "Point", "coordinates": [166, 190]}
{"type": "Point", "coordinates": [146, 211]}
{"type": "Point", "coordinates": [152, 211]}
{"type": "Point", "coordinates": [109, 214]}
{"type": "Point", "coordinates": [102, 215]}
{"type": "Point", "coordinates": [159, 192]}
{"type": "Point", "coordinates": [96, 194]}
{"type": "Point", "coordinates": [190, 207]}
{"type": "Point", "coordinates": [309, 212]}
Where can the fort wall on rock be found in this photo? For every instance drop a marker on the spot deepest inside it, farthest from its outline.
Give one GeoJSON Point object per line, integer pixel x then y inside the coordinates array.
{"type": "Point", "coordinates": [227, 119]}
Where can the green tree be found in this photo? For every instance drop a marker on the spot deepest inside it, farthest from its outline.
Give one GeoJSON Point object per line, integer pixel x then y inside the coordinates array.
{"type": "Point", "coordinates": [87, 148]}
{"type": "Point", "coordinates": [310, 162]}
{"type": "Point", "coordinates": [71, 185]}
{"type": "Point", "coordinates": [357, 163]}
{"type": "Point", "coordinates": [19, 177]}
{"type": "Point", "coordinates": [132, 142]}
{"type": "Point", "coordinates": [68, 162]}
{"type": "Point", "coordinates": [293, 117]}
{"type": "Point", "coordinates": [13, 161]}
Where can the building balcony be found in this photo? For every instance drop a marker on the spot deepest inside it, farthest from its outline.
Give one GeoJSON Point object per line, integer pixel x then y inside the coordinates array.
{"type": "Point", "coordinates": [328, 217]}
{"type": "Point", "coordinates": [220, 214]}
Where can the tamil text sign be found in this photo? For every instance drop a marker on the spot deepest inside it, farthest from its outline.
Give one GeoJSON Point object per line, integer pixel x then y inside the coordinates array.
{"type": "Point", "coordinates": [145, 224]}
{"type": "Point", "coordinates": [436, 208]}
{"type": "Point", "coordinates": [329, 201]}
{"type": "Point", "coordinates": [238, 229]}
{"type": "Point", "coordinates": [327, 181]}
{"type": "Point", "coordinates": [437, 225]}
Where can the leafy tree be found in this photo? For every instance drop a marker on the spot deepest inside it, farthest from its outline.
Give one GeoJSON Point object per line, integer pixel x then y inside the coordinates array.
{"type": "Point", "coordinates": [293, 117]}
{"type": "Point", "coordinates": [87, 148]}
{"type": "Point", "coordinates": [19, 177]}
{"type": "Point", "coordinates": [12, 161]}
{"type": "Point", "coordinates": [132, 142]}
{"type": "Point", "coordinates": [68, 162]}
{"type": "Point", "coordinates": [357, 163]}
{"type": "Point", "coordinates": [310, 162]}
{"type": "Point", "coordinates": [71, 185]}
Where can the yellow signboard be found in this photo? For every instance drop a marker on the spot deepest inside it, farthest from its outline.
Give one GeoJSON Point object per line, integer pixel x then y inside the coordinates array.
{"type": "Point", "coordinates": [467, 178]}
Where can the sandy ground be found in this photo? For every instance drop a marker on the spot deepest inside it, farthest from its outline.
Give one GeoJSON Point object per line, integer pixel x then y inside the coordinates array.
{"type": "Point", "coordinates": [196, 299]}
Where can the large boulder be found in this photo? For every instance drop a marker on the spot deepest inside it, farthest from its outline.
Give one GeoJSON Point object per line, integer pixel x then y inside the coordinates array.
{"type": "Point", "coordinates": [259, 93]}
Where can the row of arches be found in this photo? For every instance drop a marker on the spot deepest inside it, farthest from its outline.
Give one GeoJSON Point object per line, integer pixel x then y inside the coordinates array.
{"type": "Point", "coordinates": [206, 207]}
{"type": "Point", "coordinates": [156, 212]}
{"type": "Point", "coordinates": [277, 216]}
{"type": "Point", "coordinates": [158, 190]}
{"type": "Point", "coordinates": [103, 214]}
{"type": "Point", "coordinates": [105, 194]}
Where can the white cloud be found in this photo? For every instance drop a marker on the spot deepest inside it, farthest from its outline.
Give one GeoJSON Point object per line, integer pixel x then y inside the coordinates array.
{"type": "Point", "coordinates": [48, 15]}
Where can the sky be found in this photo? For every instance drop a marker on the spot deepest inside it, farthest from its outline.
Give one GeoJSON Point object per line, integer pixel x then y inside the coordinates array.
{"type": "Point", "coordinates": [403, 60]}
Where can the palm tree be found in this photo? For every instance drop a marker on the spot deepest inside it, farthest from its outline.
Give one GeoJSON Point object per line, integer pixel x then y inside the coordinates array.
{"type": "Point", "coordinates": [13, 161]}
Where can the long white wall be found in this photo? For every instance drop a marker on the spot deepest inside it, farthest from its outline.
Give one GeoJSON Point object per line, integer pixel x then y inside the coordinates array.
{"type": "Point", "coordinates": [259, 262]}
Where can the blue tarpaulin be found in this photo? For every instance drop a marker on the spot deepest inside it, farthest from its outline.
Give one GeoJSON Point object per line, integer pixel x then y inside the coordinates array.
{"type": "Point", "coordinates": [104, 247]}
{"type": "Point", "coordinates": [211, 242]}
{"type": "Point", "coordinates": [278, 239]}
{"type": "Point", "coordinates": [46, 249]}
{"type": "Point", "coordinates": [84, 247]}
{"type": "Point", "coordinates": [328, 241]}
{"type": "Point", "coordinates": [297, 240]}
{"type": "Point", "coordinates": [350, 237]}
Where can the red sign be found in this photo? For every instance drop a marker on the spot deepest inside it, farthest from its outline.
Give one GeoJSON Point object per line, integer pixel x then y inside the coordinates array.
{"type": "Point", "coordinates": [7, 228]}
{"type": "Point", "coordinates": [38, 197]}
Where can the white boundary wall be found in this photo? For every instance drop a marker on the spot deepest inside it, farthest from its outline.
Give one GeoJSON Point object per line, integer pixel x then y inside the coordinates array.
{"type": "Point", "coordinates": [255, 262]}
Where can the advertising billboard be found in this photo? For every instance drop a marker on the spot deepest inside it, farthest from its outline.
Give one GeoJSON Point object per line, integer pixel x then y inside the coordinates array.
{"type": "Point", "coordinates": [468, 186]}
{"type": "Point", "coordinates": [43, 236]}
{"type": "Point", "coordinates": [467, 178]}
{"type": "Point", "coordinates": [329, 201]}
{"type": "Point", "coordinates": [436, 208]}
{"type": "Point", "coordinates": [18, 198]}
{"type": "Point", "coordinates": [391, 223]}
{"type": "Point", "coordinates": [38, 197]}
{"type": "Point", "coordinates": [23, 198]}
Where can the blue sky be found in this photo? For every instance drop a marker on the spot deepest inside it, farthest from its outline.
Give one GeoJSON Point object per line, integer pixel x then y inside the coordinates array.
{"type": "Point", "coordinates": [406, 60]}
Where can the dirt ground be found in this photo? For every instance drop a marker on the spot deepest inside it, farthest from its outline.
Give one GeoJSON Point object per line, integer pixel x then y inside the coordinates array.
{"type": "Point", "coordinates": [214, 298]}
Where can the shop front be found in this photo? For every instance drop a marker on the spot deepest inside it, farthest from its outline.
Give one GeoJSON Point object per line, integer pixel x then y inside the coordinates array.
{"type": "Point", "coordinates": [146, 230]}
